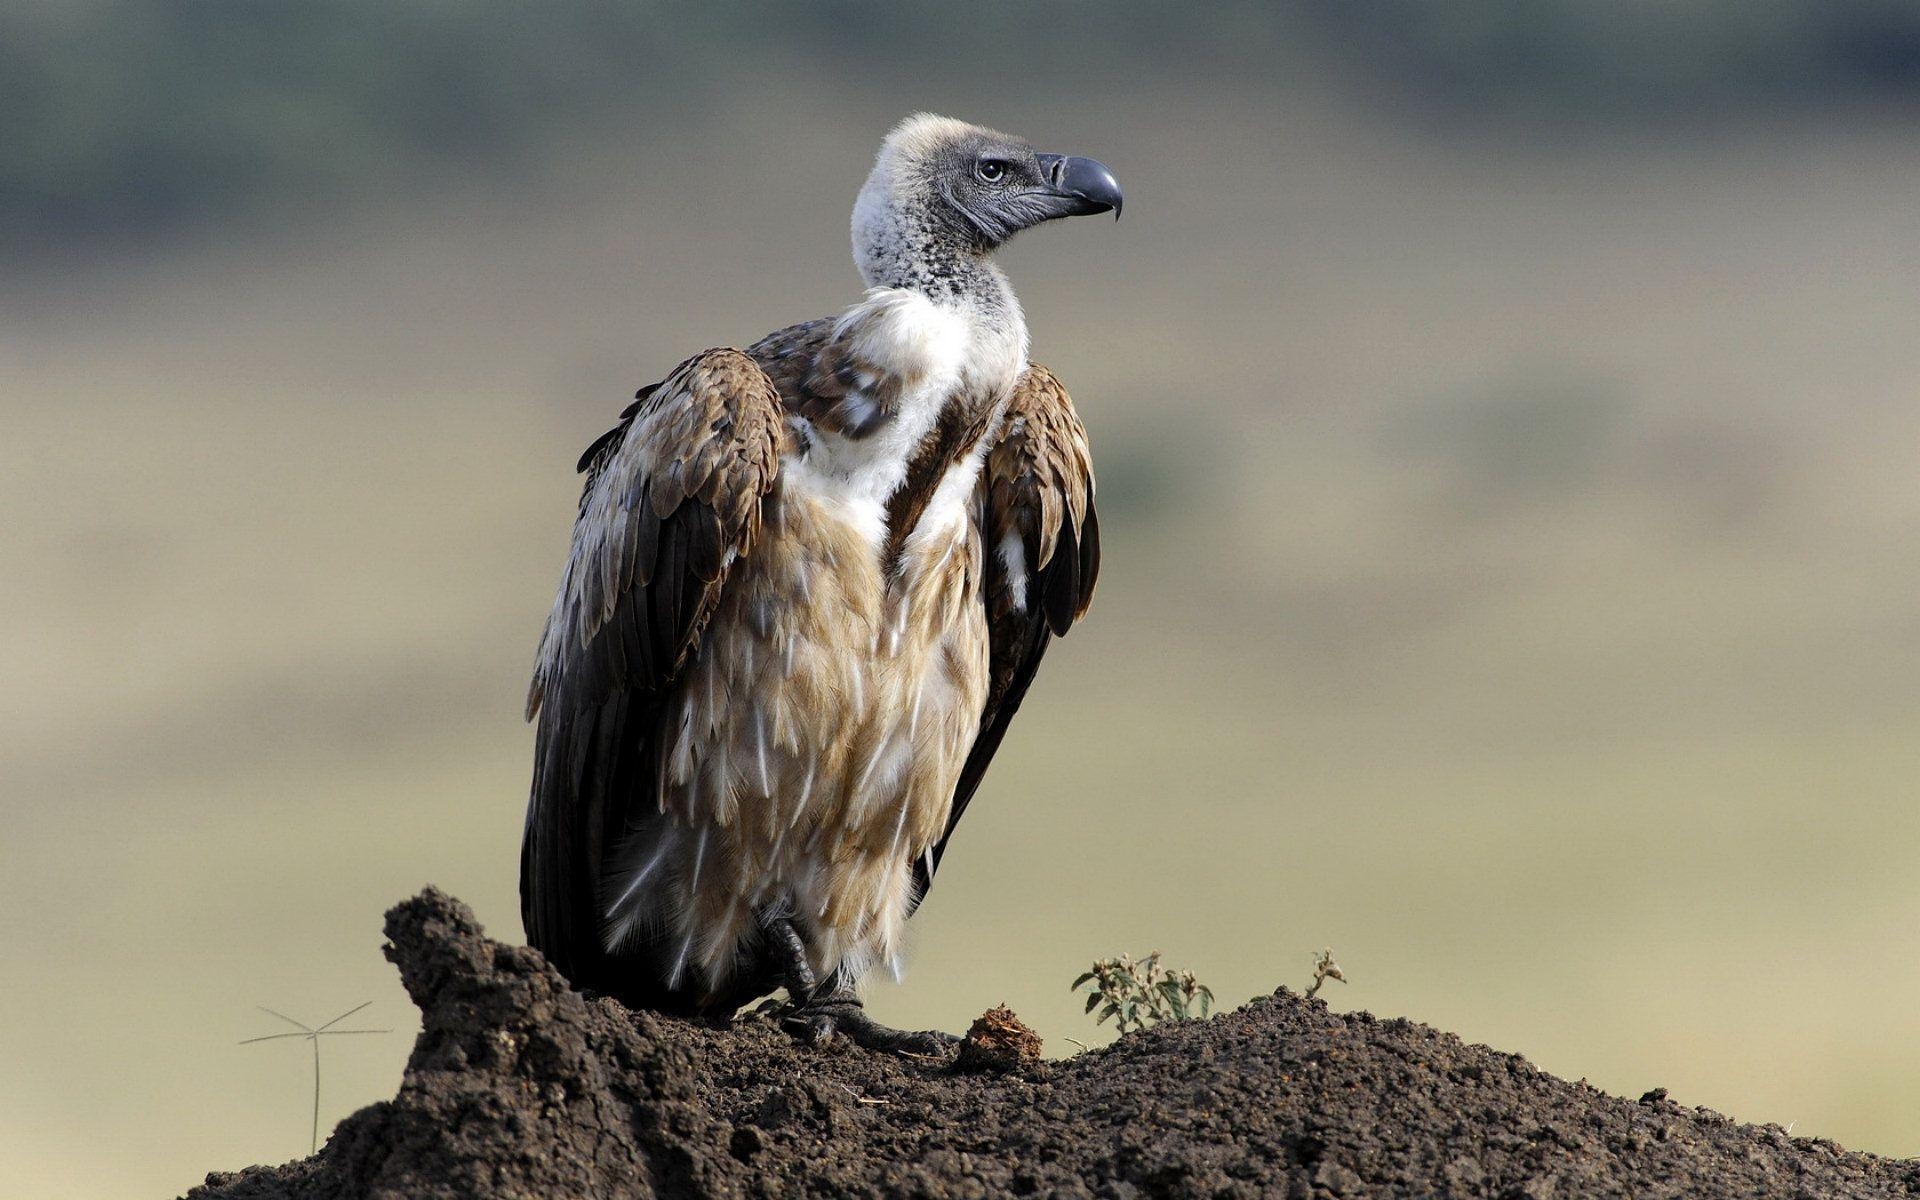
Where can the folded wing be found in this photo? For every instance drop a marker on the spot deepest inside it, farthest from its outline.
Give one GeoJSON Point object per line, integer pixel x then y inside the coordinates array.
{"type": "Point", "coordinates": [672, 501]}
{"type": "Point", "coordinates": [1043, 554]}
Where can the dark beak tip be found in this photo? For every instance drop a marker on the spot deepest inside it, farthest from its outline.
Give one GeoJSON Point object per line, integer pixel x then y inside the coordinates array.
{"type": "Point", "coordinates": [1086, 180]}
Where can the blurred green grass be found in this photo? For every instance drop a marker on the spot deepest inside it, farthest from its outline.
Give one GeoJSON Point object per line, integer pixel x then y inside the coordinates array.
{"type": "Point", "coordinates": [1505, 584]}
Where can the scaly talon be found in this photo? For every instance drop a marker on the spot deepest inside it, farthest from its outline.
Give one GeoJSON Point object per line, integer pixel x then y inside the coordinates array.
{"type": "Point", "coordinates": [814, 1013]}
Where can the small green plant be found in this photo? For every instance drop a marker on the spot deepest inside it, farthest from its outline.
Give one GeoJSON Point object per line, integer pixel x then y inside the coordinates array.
{"type": "Point", "coordinates": [1139, 994]}
{"type": "Point", "coordinates": [1324, 968]}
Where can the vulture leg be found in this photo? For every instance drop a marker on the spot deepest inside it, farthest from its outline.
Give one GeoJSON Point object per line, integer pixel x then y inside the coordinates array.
{"type": "Point", "coordinates": [789, 957]}
{"type": "Point", "coordinates": [814, 1013]}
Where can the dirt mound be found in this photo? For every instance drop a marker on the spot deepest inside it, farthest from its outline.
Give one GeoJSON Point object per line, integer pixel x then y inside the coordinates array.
{"type": "Point", "coordinates": [520, 1087]}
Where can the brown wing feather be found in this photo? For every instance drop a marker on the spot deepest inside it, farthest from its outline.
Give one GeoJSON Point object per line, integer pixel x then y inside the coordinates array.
{"type": "Point", "coordinates": [1039, 490]}
{"type": "Point", "coordinates": [673, 497]}
{"type": "Point", "coordinates": [823, 377]}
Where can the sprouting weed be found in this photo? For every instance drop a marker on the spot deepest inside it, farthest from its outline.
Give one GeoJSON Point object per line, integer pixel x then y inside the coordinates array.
{"type": "Point", "coordinates": [1138, 994]}
{"type": "Point", "coordinates": [1324, 968]}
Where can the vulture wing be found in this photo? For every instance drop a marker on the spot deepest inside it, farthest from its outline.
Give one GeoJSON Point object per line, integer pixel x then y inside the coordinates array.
{"type": "Point", "coordinates": [672, 501]}
{"type": "Point", "coordinates": [1043, 553]}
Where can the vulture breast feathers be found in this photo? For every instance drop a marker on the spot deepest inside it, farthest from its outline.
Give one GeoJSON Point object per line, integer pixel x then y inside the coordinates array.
{"type": "Point", "coordinates": [679, 498]}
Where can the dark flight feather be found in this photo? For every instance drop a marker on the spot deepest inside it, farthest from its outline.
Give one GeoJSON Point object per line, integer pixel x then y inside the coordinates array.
{"type": "Point", "coordinates": [670, 491]}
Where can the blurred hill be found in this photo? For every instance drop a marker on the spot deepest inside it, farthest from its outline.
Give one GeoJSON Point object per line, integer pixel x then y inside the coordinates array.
{"type": "Point", "coordinates": [128, 117]}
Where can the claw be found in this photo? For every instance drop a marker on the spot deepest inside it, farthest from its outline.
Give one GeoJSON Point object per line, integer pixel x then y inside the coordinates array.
{"type": "Point", "coordinates": [814, 1013]}
{"type": "Point", "coordinates": [810, 1029]}
{"type": "Point", "coordinates": [816, 1021]}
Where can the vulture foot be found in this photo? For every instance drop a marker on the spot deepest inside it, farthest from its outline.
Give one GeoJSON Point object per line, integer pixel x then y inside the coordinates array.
{"type": "Point", "coordinates": [815, 1013]}
{"type": "Point", "coordinates": [841, 1012]}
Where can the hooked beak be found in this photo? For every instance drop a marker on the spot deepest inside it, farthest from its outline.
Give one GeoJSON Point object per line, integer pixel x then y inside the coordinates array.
{"type": "Point", "coordinates": [1078, 187]}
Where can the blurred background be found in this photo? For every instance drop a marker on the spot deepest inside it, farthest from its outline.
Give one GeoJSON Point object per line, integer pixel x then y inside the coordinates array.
{"type": "Point", "coordinates": [1507, 435]}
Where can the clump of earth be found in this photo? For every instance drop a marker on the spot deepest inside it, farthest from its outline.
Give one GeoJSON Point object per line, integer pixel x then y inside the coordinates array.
{"type": "Point", "coordinates": [521, 1087]}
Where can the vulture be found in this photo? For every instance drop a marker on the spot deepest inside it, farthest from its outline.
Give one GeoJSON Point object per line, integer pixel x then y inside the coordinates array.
{"type": "Point", "coordinates": [809, 584]}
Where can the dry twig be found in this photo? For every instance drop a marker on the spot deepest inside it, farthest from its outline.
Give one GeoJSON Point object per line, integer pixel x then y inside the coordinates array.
{"type": "Point", "coordinates": [312, 1034]}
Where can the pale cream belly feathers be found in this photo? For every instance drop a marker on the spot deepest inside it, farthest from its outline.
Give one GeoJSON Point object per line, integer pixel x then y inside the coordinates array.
{"type": "Point", "coordinates": [821, 733]}
{"type": "Point", "coordinates": [811, 753]}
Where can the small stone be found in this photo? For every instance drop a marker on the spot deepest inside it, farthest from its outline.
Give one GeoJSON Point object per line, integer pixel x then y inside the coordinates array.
{"type": "Point", "coordinates": [998, 1042]}
{"type": "Point", "coordinates": [1337, 1179]}
{"type": "Point", "coordinates": [747, 1142]}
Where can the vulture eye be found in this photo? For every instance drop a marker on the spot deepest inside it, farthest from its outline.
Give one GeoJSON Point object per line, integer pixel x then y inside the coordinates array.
{"type": "Point", "coordinates": [990, 170]}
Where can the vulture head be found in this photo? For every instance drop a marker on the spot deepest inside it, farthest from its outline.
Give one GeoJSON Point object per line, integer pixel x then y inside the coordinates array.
{"type": "Point", "coordinates": [942, 187]}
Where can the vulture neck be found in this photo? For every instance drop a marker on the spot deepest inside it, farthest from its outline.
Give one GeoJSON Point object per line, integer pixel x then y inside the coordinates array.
{"type": "Point", "coordinates": [941, 322]}
{"type": "Point", "coordinates": [912, 249]}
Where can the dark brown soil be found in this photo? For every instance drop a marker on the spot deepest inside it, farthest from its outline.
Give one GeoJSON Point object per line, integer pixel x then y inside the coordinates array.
{"type": "Point", "coordinates": [519, 1087]}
